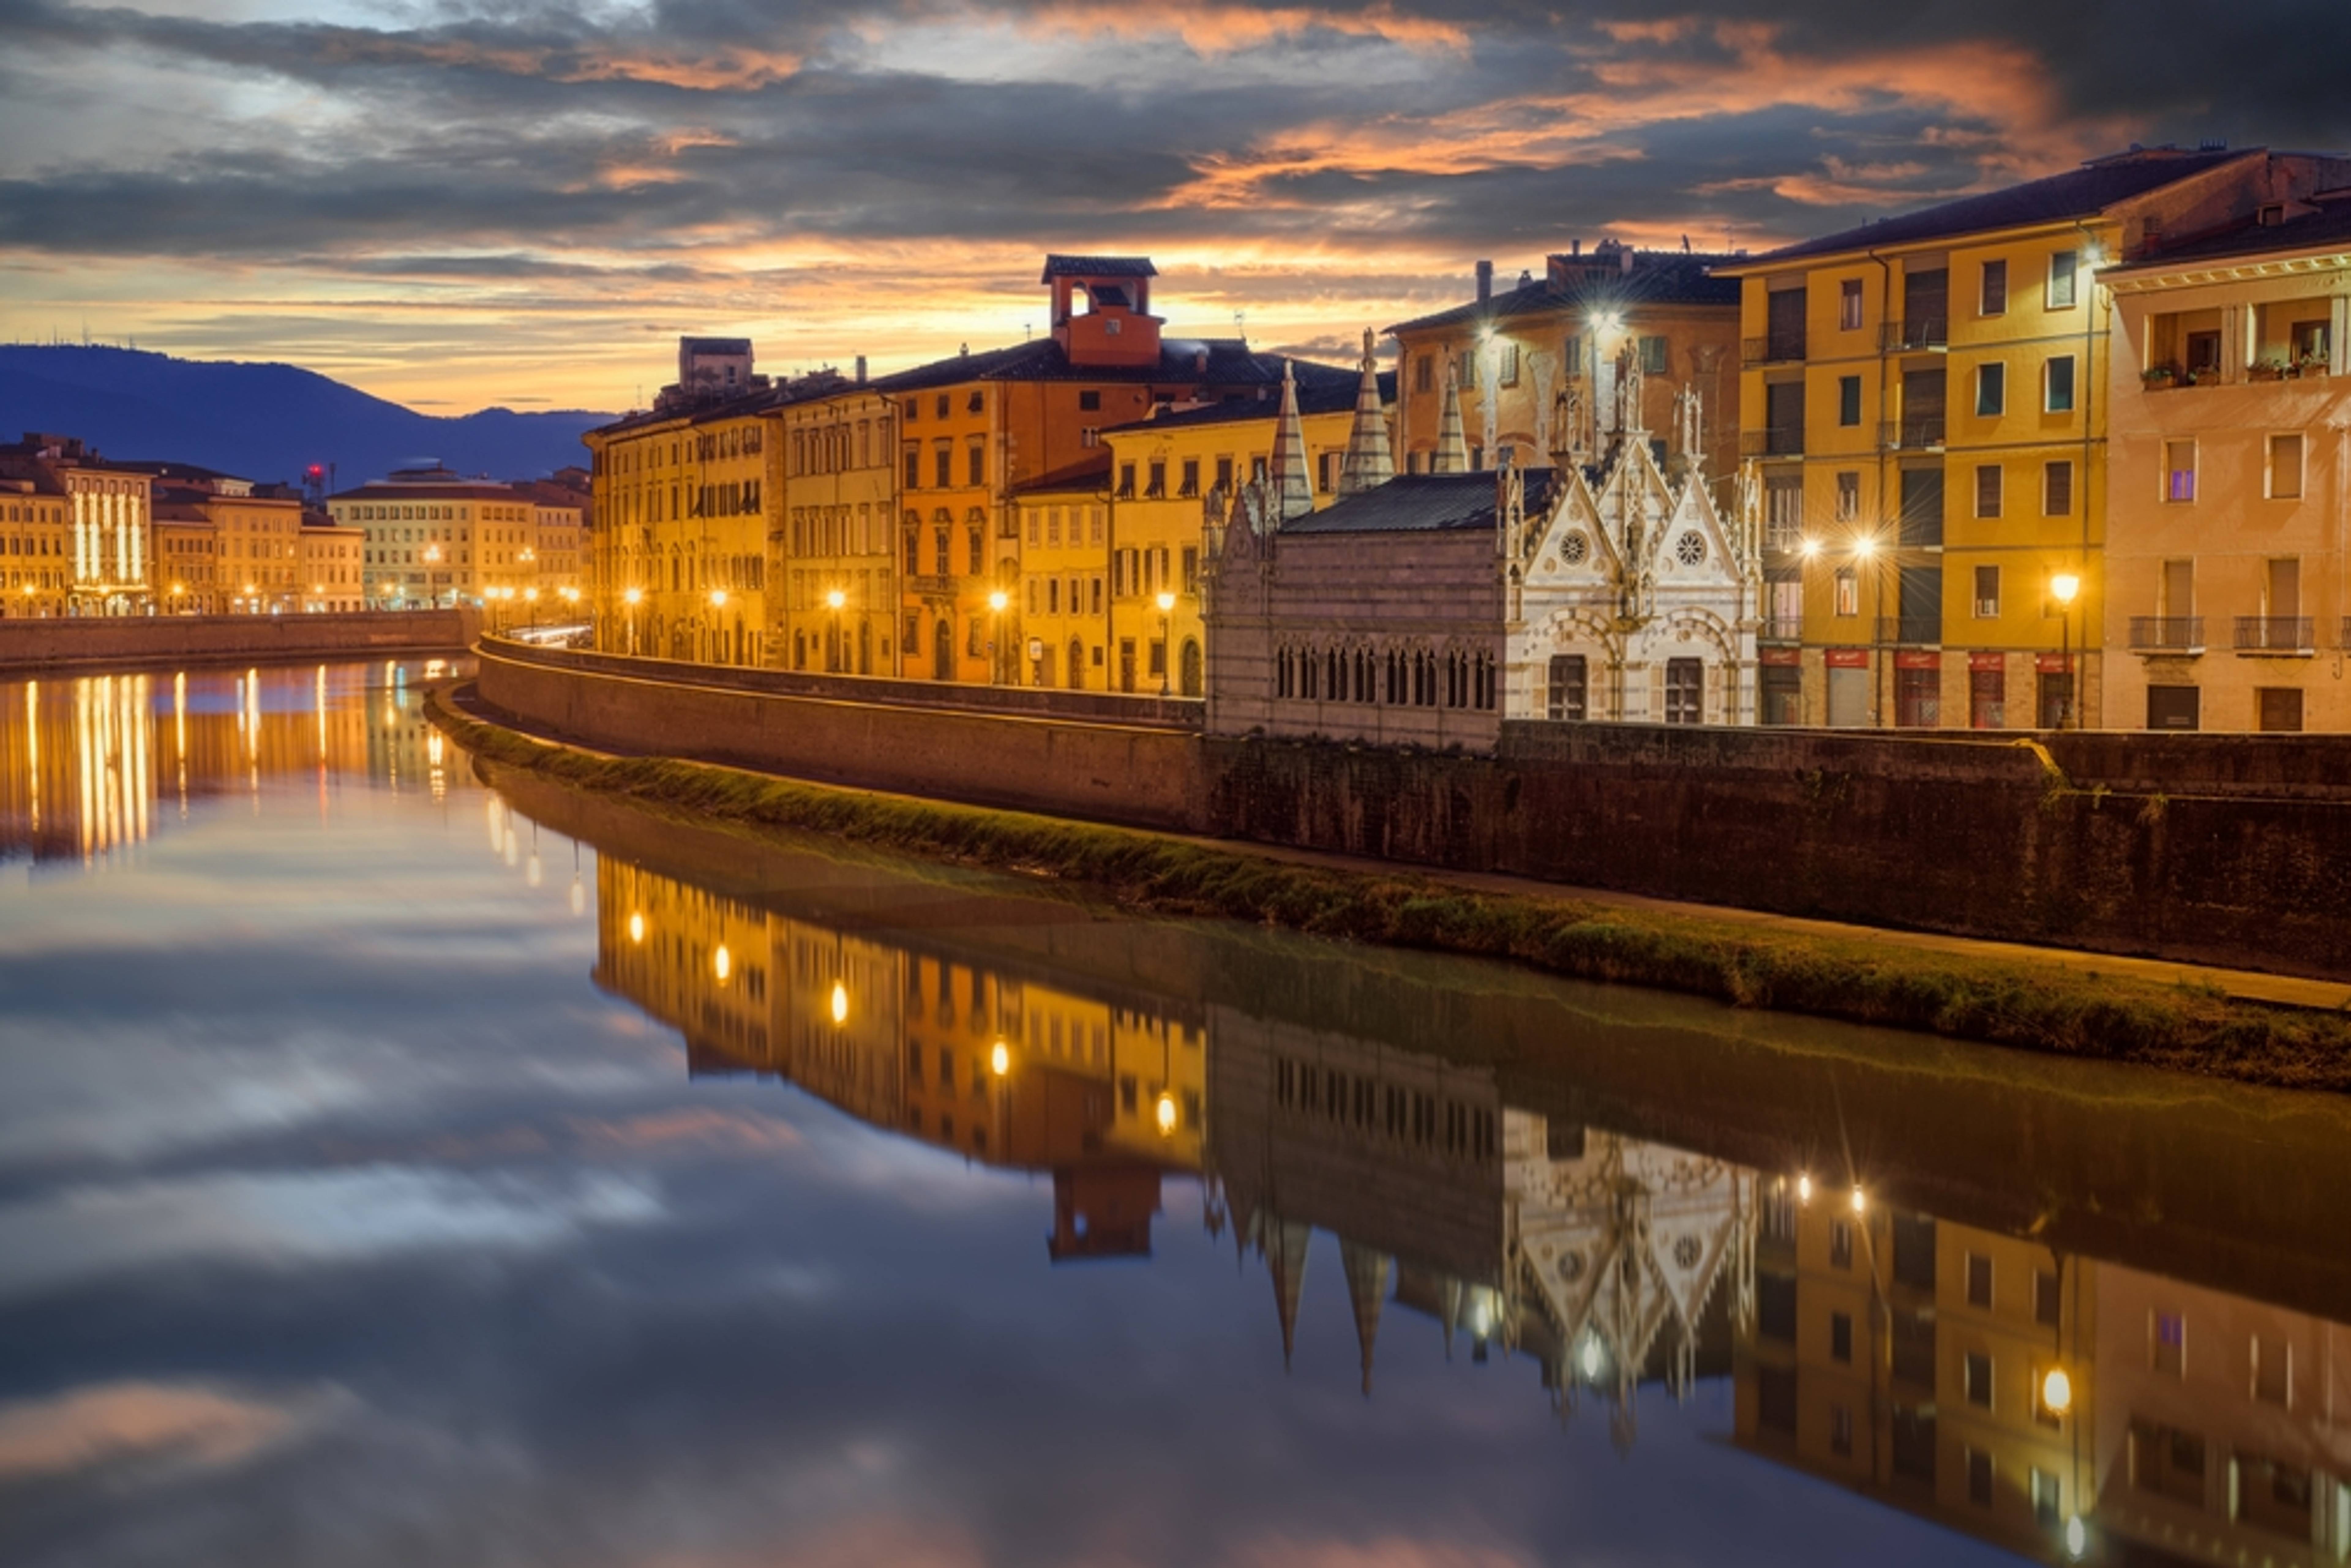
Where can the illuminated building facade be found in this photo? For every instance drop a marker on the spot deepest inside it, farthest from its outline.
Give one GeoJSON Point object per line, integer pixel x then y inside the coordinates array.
{"type": "Point", "coordinates": [1063, 602]}
{"type": "Point", "coordinates": [1923, 396]}
{"type": "Point", "coordinates": [36, 540]}
{"type": "Point", "coordinates": [108, 566]}
{"type": "Point", "coordinates": [2230, 591]}
{"type": "Point", "coordinates": [435, 538]}
{"type": "Point", "coordinates": [333, 571]}
{"type": "Point", "coordinates": [833, 538]}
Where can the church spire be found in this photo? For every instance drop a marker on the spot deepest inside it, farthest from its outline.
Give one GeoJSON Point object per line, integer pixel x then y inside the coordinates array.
{"type": "Point", "coordinates": [1285, 1261]}
{"type": "Point", "coordinates": [1294, 488]}
{"type": "Point", "coordinates": [1367, 1292]}
{"type": "Point", "coordinates": [1452, 455]}
{"type": "Point", "coordinates": [1369, 463]}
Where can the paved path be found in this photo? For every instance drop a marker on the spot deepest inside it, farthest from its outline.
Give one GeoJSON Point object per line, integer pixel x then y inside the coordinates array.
{"type": "Point", "coordinates": [2246, 985]}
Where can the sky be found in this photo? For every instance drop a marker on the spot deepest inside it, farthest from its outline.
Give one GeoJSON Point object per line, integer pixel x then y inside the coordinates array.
{"type": "Point", "coordinates": [464, 203]}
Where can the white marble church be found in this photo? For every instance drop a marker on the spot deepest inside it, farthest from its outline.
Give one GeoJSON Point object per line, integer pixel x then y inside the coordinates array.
{"type": "Point", "coordinates": [1428, 608]}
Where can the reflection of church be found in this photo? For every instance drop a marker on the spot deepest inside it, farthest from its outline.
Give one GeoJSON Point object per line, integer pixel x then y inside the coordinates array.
{"type": "Point", "coordinates": [1611, 1261]}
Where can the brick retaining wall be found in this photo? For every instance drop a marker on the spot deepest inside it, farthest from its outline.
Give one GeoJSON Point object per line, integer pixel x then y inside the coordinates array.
{"type": "Point", "coordinates": [113, 642]}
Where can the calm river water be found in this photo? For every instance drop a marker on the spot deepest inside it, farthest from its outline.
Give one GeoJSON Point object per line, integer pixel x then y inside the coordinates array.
{"type": "Point", "coordinates": [399, 1167]}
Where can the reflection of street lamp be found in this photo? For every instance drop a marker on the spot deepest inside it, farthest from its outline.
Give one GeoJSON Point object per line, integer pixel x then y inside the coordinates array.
{"type": "Point", "coordinates": [2062, 587]}
{"type": "Point", "coordinates": [995, 603]}
{"type": "Point", "coordinates": [840, 1003]}
{"type": "Point", "coordinates": [1166, 610]}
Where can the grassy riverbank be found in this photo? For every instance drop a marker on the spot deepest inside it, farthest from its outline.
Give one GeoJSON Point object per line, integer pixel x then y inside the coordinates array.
{"type": "Point", "coordinates": [2036, 1006]}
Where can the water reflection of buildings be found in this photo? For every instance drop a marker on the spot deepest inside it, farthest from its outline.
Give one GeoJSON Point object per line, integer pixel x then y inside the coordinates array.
{"type": "Point", "coordinates": [90, 765]}
{"type": "Point", "coordinates": [1905, 1356]}
{"type": "Point", "coordinates": [969, 1055]}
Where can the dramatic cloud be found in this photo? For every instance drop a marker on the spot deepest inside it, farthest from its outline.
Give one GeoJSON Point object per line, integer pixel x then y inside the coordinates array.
{"type": "Point", "coordinates": [466, 202]}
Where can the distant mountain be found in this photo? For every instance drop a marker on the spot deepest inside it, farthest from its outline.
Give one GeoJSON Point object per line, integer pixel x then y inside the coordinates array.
{"type": "Point", "coordinates": [263, 421]}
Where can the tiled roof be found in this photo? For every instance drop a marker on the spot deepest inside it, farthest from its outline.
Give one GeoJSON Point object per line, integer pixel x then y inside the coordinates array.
{"type": "Point", "coordinates": [1092, 474]}
{"type": "Point", "coordinates": [1420, 503]}
{"type": "Point", "coordinates": [2328, 228]}
{"type": "Point", "coordinates": [1229, 363]}
{"type": "Point", "coordinates": [1321, 389]}
{"type": "Point", "coordinates": [1656, 277]}
{"type": "Point", "coordinates": [2078, 193]}
{"type": "Point", "coordinates": [1098, 266]}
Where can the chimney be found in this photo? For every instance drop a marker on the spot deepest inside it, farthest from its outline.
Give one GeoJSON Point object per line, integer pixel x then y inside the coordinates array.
{"type": "Point", "coordinates": [860, 370]}
{"type": "Point", "coordinates": [1485, 281]}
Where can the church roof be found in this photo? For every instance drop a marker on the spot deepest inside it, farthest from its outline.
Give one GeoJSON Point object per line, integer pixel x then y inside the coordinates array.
{"type": "Point", "coordinates": [1229, 361]}
{"type": "Point", "coordinates": [1594, 278]}
{"type": "Point", "coordinates": [1421, 503]}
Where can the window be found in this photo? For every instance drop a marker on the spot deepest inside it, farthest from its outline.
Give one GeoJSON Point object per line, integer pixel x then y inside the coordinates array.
{"type": "Point", "coordinates": [2180, 470]}
{"type": "Point", "coordinates": [942, 405]}
{"type": "Point", "coordinates": [1848, 592]}
{"type": "Point", "coordinates": [914, 467]}
{"type": "Point", "coordinates": [1656, 358]}
{"type": "Point", "coordinates": [1849, 305]}
{"type": "Point", "coordinates": [1089, 401]}
{"type": "Point", "coordinates": [1567, 696]}
{"type": "Point", "coordinates": [1156, 481]}
{"type": "Point", "coordinates": [1993, 299]}
{"type": "Point", "coordinates": [1991, 388]}
{"type": "Point", "coordinates": [1975, 1372]}
{"type": "Point", "coordinates": [2277, 709]}
{"type": "Point", "coordinates": [2285, 466]}
{"type": "Point", "coordinates": [2170, 1349]}
{"type": "Point", "coordinates": [1326, 471]}
{"type": "Point", "coordinates": [1189, 486]}
{"type": "Point", "coordinates": [943, 465]}
{"type": "Point", "coordinates": [2273, 1371]}
{"type": "Point", "coordinates": [1840, 1244]}
{"type": "Point", "coordinates": [976, 469]}
{"type": "Point", "coordinates": [2046, 1500]}
{"type": "Point", "coordinates": [1126, 481]}
{"type": "Point", "coordinates": [1979, 1478]}
{"type": "Point", "coordinates": [2057, 385]}
{"type": "Point", "coordinates": [1506, 360]}
{"type": "Point", "coordinates": [1987, 593]}
{"type": "Point", "coordinates": [1848, 496]}
{"type": "Point", "coordinates": [2057, 488]}
{"type": "Point", "coordinates": [1979, 1281]}
{"type": "Point", "coordinates": [1685, 691]}
{"type": "Point", "coordinates": [1848, 400]}
{"type": "Point", "coordinates": [1988, 490]}
{"type": "Point", "coordinates": [1423, 372]}
{"type": "Point", "coordinates": [1917, 696]}
{"type": "Point", "coordinates": [2064, 268]}
{"type": "Point", "coordinates": [2046, 1303]}
{"type": "Point", "coordinates": [1841, 1430]}
{"type": "Point", "coordinates": [1841, 1337]}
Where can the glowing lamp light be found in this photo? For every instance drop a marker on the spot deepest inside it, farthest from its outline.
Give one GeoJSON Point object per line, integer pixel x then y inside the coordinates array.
{"type": "Point", "coordinates": [631, 596]}
{"type": "Point", "coordinates": [2077, 1537]}
{"type": "Point", "coordinates": [840, 1002]}
{"type": "Point", "coordinates": [1864, 547]}
{"type": "Point", "coordinates": [1803, 1190]}
{"type": "Point", "coordinates": [1860, 1203]}
{"type": "Point", "coordinates": [2057, 1391]}
{"type": "Point", "coordinates": [2064, 587]}
{"type": "Point", "coordinates": [1607, 321]}
{"type": "Point", "coordinates": [1808, 549]}
{"type": "Point", "coordinates": [637, 927]}
{"type": "Point", "coordinates": [1165, 1113]}
{"type": "Point", "coordinates": [1000, 1060]}
{"type": "Point", "coordinates": [723, 961]}
{"type": "Point", "coordinates": [719, 597]}
{"type": "Point", "coordinates": [1591, 1359]}
{"type": "Point", "coordinates": [834, 599]}
{"type": "Point", "coordinates": [998, 601]}
{"type": "Point", "coordinates": [1166, 602]}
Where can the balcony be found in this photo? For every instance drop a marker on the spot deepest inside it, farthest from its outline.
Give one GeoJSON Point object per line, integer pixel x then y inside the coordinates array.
{"type": "Point", "coordinates": [1911, 630]}
{"type": "Point", "coordinates": [2275, 634]}
{"type": "Point", "coordinates": [942, 586]}
{"type": "Point", "coordinates": [1919, 432]}
{"type": "Point", "coordinates": [2182, 635]}
{"type": "Point", "coordinates": [1774, 441]}
{"type": "Point", "coordinates": [1780, 628]}
{"type": "Point", "coordinates": [1925, 332]}
{"type": "Point", "coordinates": [1775, 349]}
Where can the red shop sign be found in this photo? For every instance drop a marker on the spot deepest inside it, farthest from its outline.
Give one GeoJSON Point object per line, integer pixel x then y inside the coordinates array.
{"type": "Point", "coordinates": [1780, 658]}
{"type": "Point", "coordinates": [1986, 661]}
{"type": "Point", "coordinates": [1917, 659]}
{"type": "Point", "coordinates": [2050, 664]}
{"type": "Point", "coordinates": [1848, 658]}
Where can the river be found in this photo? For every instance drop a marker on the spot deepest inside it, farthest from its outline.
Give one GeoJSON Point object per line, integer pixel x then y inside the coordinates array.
{"type": "Point", "coordinates": [400, 1166]}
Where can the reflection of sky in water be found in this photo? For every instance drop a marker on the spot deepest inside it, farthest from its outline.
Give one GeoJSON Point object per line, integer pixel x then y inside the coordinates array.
{"type": "Point", "coordinates": [343, 1219]}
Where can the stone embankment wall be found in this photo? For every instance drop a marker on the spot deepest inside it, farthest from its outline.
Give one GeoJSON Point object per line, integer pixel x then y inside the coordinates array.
{"type": "Point", "coordinates": [112, 642]}
{"type": "Point", "coordinates": [2245, 864]}
{"type": "Point", "coordinates": [2227, 849]}
{"type": "Point", "coordinates": [1144, 770]}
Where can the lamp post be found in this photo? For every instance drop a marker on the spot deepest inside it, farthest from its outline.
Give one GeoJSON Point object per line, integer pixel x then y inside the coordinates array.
{"type": "Point", "coordinates": [631, 598]}
{"type": "Point", "coordinates": [717, 630]}
{"type": "Point", "coordinates": [433, 577]}
{"type": "Point", "coordinates": [530, 597]}
{"type": "Point", "coordinates": [2062, 587]}
{"type": "Point", "coordinates": [995, 603]}
{"type": "Point", "coordinates": [836, 656]}
{"type": "Point", "coordinates": [1166, 602]}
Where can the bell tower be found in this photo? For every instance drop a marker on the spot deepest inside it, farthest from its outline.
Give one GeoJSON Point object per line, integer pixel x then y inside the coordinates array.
{"type": "Point", "coordinates": [1101, 308]}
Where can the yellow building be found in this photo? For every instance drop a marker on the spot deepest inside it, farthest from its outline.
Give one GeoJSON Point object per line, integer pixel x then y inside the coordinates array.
{"type": "Point", "coordinates": [1946, 1370]}
{"type": "Point", "coordinates": [1538, 364]}
{"type": "Point", "coordinates": [1168, 476]}
{"type": "Point", "coordinates": [436, 537]}
{"type": "Point", "coordinates": [2229, 605]}
{"type": "Point", "coordinates": [1921, 396]}
{"type": "Point", "coordinates": [108, 566]}
{"type": "Point", "coordinates": [260, 567]}
{"type": "Point", "coordinates": [333, 572]}
{"type": "Point", "coordinates": [1063, 633]}
{"type": "Point", "coordinates": [34, 540]}
{"type": "Point", "coordinates": [833, 544]}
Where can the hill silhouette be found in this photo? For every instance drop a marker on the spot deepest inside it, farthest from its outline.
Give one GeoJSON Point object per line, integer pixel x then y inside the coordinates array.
{"type": "Point", "coordinates": [263, 421]}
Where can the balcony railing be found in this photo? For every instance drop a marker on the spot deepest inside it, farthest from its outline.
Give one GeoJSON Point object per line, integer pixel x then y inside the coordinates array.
{"type": "Point", "coordinates": [1920, 431]}
{"type": "Point", "coordinates": [1780, 628]}
{"type": "Point", "coordinates": [2274, 634]}
{"type": "Point", "coordinates": [1911, 630]}
{"type": "Point", "coordinates": [1774, 441]}
{"type": "Point", "coordinates": [2167, 633]}
{"type": "Point", "coordinates": [1926, 332]}
{"type": "Point", "coordinates": [933, 584]}
{"type": "Point", "coordinates": [1772, 349]}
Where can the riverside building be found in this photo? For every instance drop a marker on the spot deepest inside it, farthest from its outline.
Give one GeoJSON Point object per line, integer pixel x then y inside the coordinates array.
{"type": "Point", "coordinates": [107, 564]}
{"type": "Point", "coordinates": [1924, 397]}
{"type": "Point", "coordinates": [434, 537]}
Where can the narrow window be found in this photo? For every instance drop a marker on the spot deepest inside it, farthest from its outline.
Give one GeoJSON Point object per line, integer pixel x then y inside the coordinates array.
{"type": "Point", "coordinates": [2058, 383]}
{"type": "Point", "coordinates": [1993, 300]}
{"type": "Point", "coordinates": [1988, 490]}
{"type": "Point", "coordinates": [2179, 471]}
{"type": "Point", "coordinates": [1991, 388]}
{"type": "Point", "coordinates": [2064, 268]}
{"type": "Point", "coordinates": [1848, 400]}
{"type": "Point", "coordinates": [1987, 593]}
{"type": "Point", "coordinates": [1849, 305]}
{"type": "Point", "coordinates": [2057, 488]}
{"type": "Point", "coordinates": [2285, 466]}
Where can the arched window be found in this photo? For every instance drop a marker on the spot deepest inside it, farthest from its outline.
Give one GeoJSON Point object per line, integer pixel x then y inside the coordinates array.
{"type": "Point", "coordinates": [1077, 664]}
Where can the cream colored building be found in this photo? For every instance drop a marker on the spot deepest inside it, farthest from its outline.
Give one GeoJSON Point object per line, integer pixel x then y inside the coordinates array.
{"type": "Point", "coordinates": [433, 537]}
{"type": "Point", "coordinates": [2229, 606]}
{"type": "Point", "coordinates": [832, 544]}
{"type": "Point", "coordinates": [333, 573]}
{"type": "Point", "coordinates": [106, 508]}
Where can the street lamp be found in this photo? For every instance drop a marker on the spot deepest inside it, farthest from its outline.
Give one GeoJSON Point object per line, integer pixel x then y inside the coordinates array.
{"type": "Point", "coordinates": [995, 603]}
{"type": "Point", "coordinates": [837, 655]}
{"type": "Point", "coordinates": [631, 598]}
{"type": "Point", "coordinates": [2062, 587]}
{"type": "Point", "coordinates": [432, 576]}
{"type": "Point", "coordinates": [530, 597]}
{"type": "Point", "coordinates": [1166, 602]}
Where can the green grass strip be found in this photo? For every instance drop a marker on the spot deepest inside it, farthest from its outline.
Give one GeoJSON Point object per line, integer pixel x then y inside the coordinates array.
{"type": "Point", "coordinates": [2037, 1007]}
